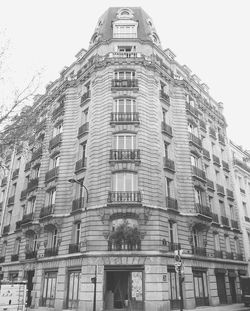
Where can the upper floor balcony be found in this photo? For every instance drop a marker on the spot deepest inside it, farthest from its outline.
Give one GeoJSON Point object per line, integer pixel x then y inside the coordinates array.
{"type": "Point", "coordinates": [81, 164]}
{"type": "Point", "coordinates": [124, 84]}
{"type": "Point", "coordinates": [216, 160]}
{"type": "Point", "coordinates": [58, 111]}
{"type": "Point", "coordinates": [55, 141]}
{"type": "Point", "coordinates": [15, 173]}
{"type": "Point", "coordinates": [14, 257]}
{"type": "Point", "coordinates": [49, 252]}
{"type": "Point", "coordinates": [36, 154]}
{"type": "Point", "coordinates": [221, 139]}
{"type": "Point", "coordinates": [83, 129]}
{"type": "Point", "coordinates": [203, 125]}
{"type": "Point", "coordinates": [229, 255]}
{"type": "Point", "coordinates": [171, 203]}
{"type": "Point", "coordinates": [6, 229]}
{"type": "Point", "coordinates": [164, 96]}
{"type": "Point", "coordinates": [41, 125]}
{"type": "Point", "coordinates": [124, 197]}
{"type": "Point", "coordinates": [18, 225]}
{"type": "Point", "coordinates": [225, 221]}
{"type": "Point", "coordinates": [203, 210]}
{"type": "Point", "coordinates": [234, 224]}
{"type": "Point", "coordinates": [29, 254]}
{"type": "Point", "coordinates": [52, 174]}
{"type": "Point", "coordinates": [124, 245]}
{"type": "Point", "coordinates": [220, 190]}
{"type": "Point", "coordinates": [198, 173]}
{"type": "Point", "coordinates": [212, 132]}
{"type": "Point", "coordinates": [225, 166]}
{"type": "Point", "coordinates": [27, 166]}
{"type": "Point", "coordinates": [199, 251]}
{"type": "Point", "coordinates": [4, 182]}
{"type": "Point", "coordinates": [123, 155]}
{"type": "Point", "coordinates": [74, 248]}
{"type": "Point", "coordinates": [242, 165]}
{"type": "Point", "coordinates": [215, 218]}
{"type": "Point", "coordinates": [168, 164]}
{"type": "Point", "coordinates": [206, 154]}
{"type": "Point", "coordinates": [192, 110]}
{"type": "Point", "coordinates": [77, 204]}
{"type": "Point", "coordinates": [125, 55]}
{"type": "Point", "coordinates": [125, 117]}
{"type": "Point", "coordinates": [196, 141]}
{"type": "Point", "coordinates": [32, 184]}
{"type": "Point", "coordinates": [218, 253]}
{"type": "Point", "coordinates": [166, 129]}
{"type": "Point", "coordinates": [85, 97]}
{"type": "Point", "coordinates": [23, 194]}
{"type": "Point", "coordinates": [210, 184]}
{"type": "Point", "coordinates": [47, 211]}
{"type": "Point", "coordinates": [11, 200]}
{"type": "Point", "coordinates": [27, 218]}
{"type": "Point", "coordinates": [230, 194]}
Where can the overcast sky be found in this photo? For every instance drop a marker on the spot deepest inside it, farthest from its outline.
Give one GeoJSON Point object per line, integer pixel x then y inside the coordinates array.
{"type": "Point", "coordinates": [210, 36]}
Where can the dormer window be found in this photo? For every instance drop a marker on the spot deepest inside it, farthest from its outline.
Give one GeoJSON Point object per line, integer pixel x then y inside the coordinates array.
{"type": "Point", "coordinates": [125, 29]}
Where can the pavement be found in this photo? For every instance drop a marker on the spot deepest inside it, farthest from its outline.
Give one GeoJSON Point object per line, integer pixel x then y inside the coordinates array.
{"type": "Point", "coordinates": [233, 307]}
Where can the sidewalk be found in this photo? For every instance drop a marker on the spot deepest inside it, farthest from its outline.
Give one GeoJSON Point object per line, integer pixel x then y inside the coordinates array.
{"type": "Point", "coordinates": [233, 307]}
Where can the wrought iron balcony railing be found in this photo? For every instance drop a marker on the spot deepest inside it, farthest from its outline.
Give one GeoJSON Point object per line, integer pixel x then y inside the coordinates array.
{"type": "Point", "coordinates": [27, 218]}
{"type": "Point", "coordinates": [23, 194]}
{"type": "Point", "coordinates": [218, 254]}
{"type": "Point", "coordinates": [30, 254]}
{"type": "Point", "coordinates": [173, 246]}
{"type": "Point", "coordinates": [125, 54]}
{"type": "Point", "coordinates": [80, 164]}
{"type": "Point", "coordinates": [15, 173]}
{"type": "Point", "coordinates": [198, 173]}
{"type": "Point", "coordinates": [239, 257]}
{"type": "Point", "coordinates": [55, 141]}
{"type": "Point", "coordinates": [74, 248]}
{"type": "Point", "coordinates": [215, 218]}
{"type": "Point", "coordinates": [221, 139]}
{"type": "Point", "coordinates": [230, 194]}
{"type": "Point", "coordinates": [58, 111]}
{"type": "Point", "coordinates": [220, 189]}
{"type": "Point", "coordinates": [4, 181]}
{"type": "Point", "coordinates": [225, 166]}
{"type": "Point", "coordinates": [216, 160]}
{"type": "Point", "coordinates": [206, 154]}
{"type": "Point", "coordinates": [212, 132]}
{"type": "Point", "coordinates": [169, 164]}
{"type": "Point", "coordinates": [203, 210]}
{"type": "Point", "coordinates": [229, 255]}
{"type": "Point", "coordinates": [32, 184]}
{"type": "Point", "coordinates": [14, 257]}
{"type": "Point", "coordinates": [47, 211]}
{"type": "Point", "coordinates": [199, 251]}
{"type": "Point", "coordinates": [77, 204]}
{"type": "Point", "coordinates": [124, 154]}
{"type": "Point", "coordinates": [52, 174]}
{"type": "Point", "coordinates": [41, 125]}
{"type": "Point", "coordinates": [225, 221]}
{"type": "Point", "coordinates": [11, 200]}
{"type": "Point", "coordinates": [234, 224]}
{"type": "Point", "coordinates": [124, 245]}
{"type": "Point", "coordinates": [49, 252]}
{"type": "Point", "coordinates": [195, 140]}
{"type": "Point", "coordinates": [6, 229]}
{"type": "Point", "coordinates": [125, 117]}
{"type": "Point", "coordinates": [192, 110]}
{"type": "Point", "coordinates": [83, 129]}
{"type": "Point", "coordinates": [167, 129]}
{"type": "Point", "coordinates": [36, 154]}
{"type": "Point", "coordinates": [164, 96]}
{"type": "Point", "coordinates": [242, 164]}
{"type": "Point", "coordinates": [85, 96]}
{"type": "Point", "coordinates": [203, 125]}
{"type": "Point", "coordinates": [27, 166]}
{"type": "Point", "coordinates": [171, 203]}
{"type": "Point", "coordinates": [124, 197]}
{"type": "Point", "coordinates": [210, 184]}
{"type": "Point", "coordinates": [124, 83]}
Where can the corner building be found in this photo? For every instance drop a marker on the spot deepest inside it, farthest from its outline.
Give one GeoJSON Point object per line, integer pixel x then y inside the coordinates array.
{"type": "Point", "coordinates": [145, 147]}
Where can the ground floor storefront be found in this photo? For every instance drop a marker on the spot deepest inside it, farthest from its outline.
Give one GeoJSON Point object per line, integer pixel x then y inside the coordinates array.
{"type": "Point", "coordinates": [126, 281]}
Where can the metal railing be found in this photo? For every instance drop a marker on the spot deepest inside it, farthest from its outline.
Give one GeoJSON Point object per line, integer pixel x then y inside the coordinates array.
{"type": "Point", "coordinates": [225, 166]}
{"type": "Point", "coordinates": [124, 154]}
{"type": "Point", "coordinates": [164, 96]}
{"type": "Point", "coordinates": [18, 224]}
{"type": "Point", "coordinates": [171, 203]}
{"type": "Point", "coordinates": [215, 218]}
{"type": "Point", "coordinates": [166, 128]}
{"type": "Point", "coordinates": [230, 193]}
{"type": "Point", "coordinates": [195, 140]}
{"type": "Point", "coordinates": [206, 154]}
{"type": "Point", "coordinates": [77, 204]}
{"type": "Point", "coordinates": [203, 125]}
{"type": "Point", "coordinates": [47, 210]}
{"type": "Point", "coordinates": [192, 110]}
{"type": "Point", "coordinates": [15, 173]}
{"type": "Point", "coordinates": [58, 111]}
{"type": "Point", "coordinates": [124, 245]}
{"type": "Point", "coordinates": [210, 184]}
{"type": "Point", "coordinates": [124, 196]}
{"type": "Point", "coordinates": [242, 165]}
{"type": "Point", "coordinates": [220, 189]}
{"type": "Point", "coordinates": [221, 139]}
{"type": "Point", "coordinates": [23, 194]}
{"type": "Point", "coordinates": [203, 209]}
{"type": "Point", "coordinates": [14, 257]}
{"type": "Point", "coordinates": [49, 252]}
{"type": "Point", "coordinates": [32, 184]}
{"type": "Point", "coordinates": [216, 160]}
{"type": "Point", "coordinates": [36, 154]}
{"type": "Point", "coordinates": [225, 221]}
{"type": "Point", "coordinates": [52, 174]}
{"type": "Point", "coordinates": [30, 254]}
{"type": "Point", "coordinates": [125, 83]}
{"type": "Point", "coordinates": [4, 181]}
{"type": "Point", "coordinates": [199, 251]}
{"type": "Point", "coordinates": [173, 246]}
{"type": "Point", "coordinates": [55, 141]}
{"type": "Point", "coordinates": [80, 164]}
{"type": "Point", "coordinates": [27, 166]}
{"type": "Point", "coordinates": [234, 224]}
{"type": "Point", "coordinates": [218, 254]}
{"type": "Point", "coordinates": [169, 164]}
{"type": "Point", "coordinates": [199, 173]}
{"type": "Point", "coordinates": [27, 218]}
{"type": "Point", "coordinates": [85, 96]}
{"type": "Point", "coordinates": [11, 200]}
{"type": "Point", "coordinates": [84, 128]}
{"type": "Point", "coordinates": [6, 229]}
{"type": "Point", "coordinates": [124, 117]}
{"type": "Point", "coordinates": [74, 248]}
{"type": "Point", "coordinates": [229, 255]}
{"type": "Point", "coordinates": [212, 132]}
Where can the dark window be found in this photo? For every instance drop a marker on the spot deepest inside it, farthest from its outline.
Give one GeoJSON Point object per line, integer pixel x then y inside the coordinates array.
{"type": "Point", "coordinates": [73, 289]}
{"type": "Point", "coordinates": [49, 289]}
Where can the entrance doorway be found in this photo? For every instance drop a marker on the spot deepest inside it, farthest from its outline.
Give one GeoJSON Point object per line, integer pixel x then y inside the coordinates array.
{"type": "Point", "coordinates": [221, 287]}
{"type": "Point", "coordinates": [30, 275]}
{"type": "Point", "coordinates": [200, 288]}
{"type": "Point", "coordinates": [232, 289]}
{"type": "Point", "coordinates": [123, 290]}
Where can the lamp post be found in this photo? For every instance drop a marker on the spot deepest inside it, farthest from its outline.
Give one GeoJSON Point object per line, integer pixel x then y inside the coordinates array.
{"type": "Point", "coordinates": [72, 181]}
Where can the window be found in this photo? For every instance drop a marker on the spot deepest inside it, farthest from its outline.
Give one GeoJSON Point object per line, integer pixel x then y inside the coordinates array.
{"type": "Point", "coordinates": [237, 245]}
{"type": "Point", "coordinates": [245, 209]}
{"type": "Point", "coordinates": [49, 289]}
{"type": "Point", "coordinates": [2, 196]}
{"type": "Point", "coordinates": [82, 151]}
{"type": "Point", "coordinates": [222, 208]}
{"type": "Point", "coordinates": [17, 246]}
{"type": "Point", "coordinates": [18, 162]}
{"type": "Point", "coordinates": [125, 29]}
{"type": "Point", "coordinates": [166, 145]}
{"type": "Point", "coordinates": [31, 245]}
{"type": "Point", "coordinates": [125, 75]}
{"type": "Point", "coordinates": [216, 242]}
{"type": "Point", "coordinates": [13, 189]}
{"type": "Point", "coordinates": [56, 161]}
{"type": "Point", "coordinates": [197, 238]}
{"type": "Point", "coordinates": [248, 235]}
{"type": "Point", "coordinates": [52, 196]}
{"type": "Point", "coordinates": [232, 212]}
{"type": "Point", "coordinates": [173, 288]}
{"type": "Point", "coordinates": [125, 105]}
{"type": "Point", "coordinates": [173, 234]}
{"type": "Point", "coordinates": [13, 276]}
{"type": "Point", "coordinates": [77, 233]}
{"type": "Point", "coordinates": [165, 116]}
{"type": "Point", "coordinates": [199, 196]}
{"type": "Point", "coordinates": [52, 239]}
{"type": "Point", "coordinates": [36, 172]}
{"type": "Point", "coordinates": [125, 141]}
{"type": "Point", "coordinates": [4, 247]}
{"type": "Point", "coordinates": [227, 243]}
{"type": "Point", "coordinates": [169, 187]}
{"type": "Point", "coordinates": [58, 129]}
{"type": "Point", "coordinates": [195, 161]}
{"type": "Point", "coordinates": [85, 116]}
{"type": "Point", "coordinates": [27, 179]}
{"type": "Point", "coordinates": [210, 203]}
{"type": "Point", "coordinates": [9, 216]}
{"type": "Point", "coordinates": [73, 289]}
{"type": "Point", "coordinates": [200, 288]}
{"type": "Point", "coordinates": [125, 182]}
{"type": "Point", "coordinates": [31, 205]}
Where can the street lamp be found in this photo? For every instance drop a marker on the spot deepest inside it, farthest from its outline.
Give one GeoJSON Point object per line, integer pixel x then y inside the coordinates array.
{"type": "Point", "coordinates": [72, 181]}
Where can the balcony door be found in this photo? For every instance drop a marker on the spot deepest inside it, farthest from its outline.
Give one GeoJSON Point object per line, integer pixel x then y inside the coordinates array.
{"type": "Point", "coordinates": [125, 105]}
{"type": "Point", "coordinates": [125, 182]}
{"type": "Point", "coordinates": [124, 141]}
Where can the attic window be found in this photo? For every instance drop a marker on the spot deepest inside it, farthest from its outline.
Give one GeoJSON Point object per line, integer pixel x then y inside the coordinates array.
{"type": "Point", "coordinates": [125, 29]}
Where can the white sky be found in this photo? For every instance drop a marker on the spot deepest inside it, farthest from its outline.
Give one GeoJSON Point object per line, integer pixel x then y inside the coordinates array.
{"type": "Point", "coordinates": [210, 36]}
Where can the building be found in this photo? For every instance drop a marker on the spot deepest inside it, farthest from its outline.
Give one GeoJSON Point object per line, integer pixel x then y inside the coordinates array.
{"type": "Point", "coordinates": [241, 175]}
{"type": "Point", "coordinates": [128, 163]}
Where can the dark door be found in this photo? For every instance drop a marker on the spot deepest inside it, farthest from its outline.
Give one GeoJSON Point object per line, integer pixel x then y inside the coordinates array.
{"type": "Point", "coordinates": [221, 287]}
{"type": "Point", "coordinates": [232, 289]}
{"type": "Point", "coordinates": [30, 275]}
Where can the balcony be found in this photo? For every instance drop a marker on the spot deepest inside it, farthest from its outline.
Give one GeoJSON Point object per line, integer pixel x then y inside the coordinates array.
{"type": "Point", "coordinates": [27, 166]}
{"type": "Point", "coordinates": [58, 111]}
{"type": "Point", "coordinates": [77, 204]}
{"type": "Point", "coordinates": [242, 164]}
{"type": "Point", "coordinates": [124, 83]}
{"type": "Point", "coordinates": [195, 140]}
{"type": "Point", "coordinates": [124, 117]}
{"type": "Point", "coordinates": [15, 173]}
{"type": "Point", "coordinates": [46, 211]}
{"type": "Point", "coordinates": [4, 181]}
{"type": "Point", "coordinates": [6, 229]}
{"type": "Point", "coordinates": [41, 125]}
{"type": "Point", "coordinates": [55, 141]}
{"type": "Point", "coordinates": [171, 203]}
{"type": "Point", "coordinates": [165, 97]}
{"type": "Point", "coordinates": [124, 245]}
{"type": "Point", "coordinates": [215, 218]}
{"type": "Point", "coordinates": [210, 184]}
{"type": "Point", "coordinates": [14, 257]}
{"type": "Point", "coordinates": [220, 190]}
{"type": "Point", "coordinates": [168, 164]}
{"type": "Point", "coordinates": [124, 155]}
{"type": "Point", "coordinates": [36, 154]}
{"type": "Point", "coordinates": [83, 129]}
{"type": "Point", "coordinates": [11, 200]}
{"type": "Point", "coordinates": [199, 251]}
{"type": "Point", "coordinates": [192, 110]}
{"type": "Point", "coordinates": [229, 255]}
{"type": "Point", "coordinates": [49, 252]}
{"type": "Point", "coordinates": [247, 219]}
{"type": "Point", "coordinates": [230, 194]}
{"type": "Point", "coordinates": [173, 246]}
{"type": "Point", "coordinates": [23, 194]}
{"type": "Point", "coordinates": [81, 164]}
{"type": "Point", "coordinates": [218, 254]}
{"type": "Point", "coordinates": [30, 254]}
{"type": "Point", "coordinates": [2, 259]}
{"type": "Point", "coordinates": [221, 139]}
{"type": "Point", "coordinates": [124, 197]}
{"type": "Point", "coordinates": [124, 54]}
{"type": "Point", "coordinates": [225, 166]}
{"type": "Point", "coordinates": [212, 132]}
{"type": "Point", "coordinates": [32, 184]}
{"type": "Point", "coordinates": [85, 97]}
{"type": "Point", "coordinates": [18, 225]}
{"type": "Point", "coordinates": [216, 160]}
{"type": "Point", "coordinates": [203, 210]}
{"type": "Point", "coordinates": [74, 248]}
{"type": "Point", "coordinates": [239, 257]}
{"type": "Point", "coordinates": [52, 174]}
{"type": "Point", "coordinates": [198, 173]}
{"type": "Point", "coordinates": [27, 218]}
{"type": "Point", "coordinates": [234, 224]}
{"type": "Point", "coordinates": [206, 154]}
{"type": "Point", "coordinates": [166, 129]}
{"type": "Point", "coordinates": [203, 125]}
{"type": "Point", "coordinates": [225, 221]}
